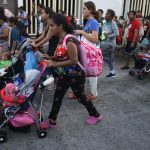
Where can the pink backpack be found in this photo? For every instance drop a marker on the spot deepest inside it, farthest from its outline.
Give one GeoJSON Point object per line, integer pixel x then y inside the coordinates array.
{"type": "Point", "coordinates": [90, 58]}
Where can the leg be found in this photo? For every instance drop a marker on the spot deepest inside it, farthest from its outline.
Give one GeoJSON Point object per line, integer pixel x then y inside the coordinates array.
{"type": "Point", "coordinates": [127, 60]}
{"type": "Point", "coordinates": [77, 85]}
{"type": "Point", "coordinates": [110, 62]}
{"type": "Point", "coordinates": [61, 89]}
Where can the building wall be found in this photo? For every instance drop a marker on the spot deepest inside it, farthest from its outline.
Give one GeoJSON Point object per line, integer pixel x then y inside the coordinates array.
{"type": "Point", "coordinates": [11, 5]}
{"type": "Point", "coordinates": [72, 7]}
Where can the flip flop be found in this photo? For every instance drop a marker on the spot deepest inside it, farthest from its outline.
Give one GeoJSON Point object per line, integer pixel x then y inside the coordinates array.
{"type": "Point", "coordinates": [90, 97]}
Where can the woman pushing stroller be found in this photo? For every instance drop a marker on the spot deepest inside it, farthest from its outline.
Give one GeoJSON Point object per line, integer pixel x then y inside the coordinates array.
{"type": "Point", "coordinates": [71, 74]}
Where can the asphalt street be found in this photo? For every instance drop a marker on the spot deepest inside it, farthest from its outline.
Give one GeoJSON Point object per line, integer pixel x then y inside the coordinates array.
{"type": "Point", "coordinates": [124, 103]}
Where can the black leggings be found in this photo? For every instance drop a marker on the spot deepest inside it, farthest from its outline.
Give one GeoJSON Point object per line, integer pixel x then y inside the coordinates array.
{"type": "Point", "coordinates": [77, 85]}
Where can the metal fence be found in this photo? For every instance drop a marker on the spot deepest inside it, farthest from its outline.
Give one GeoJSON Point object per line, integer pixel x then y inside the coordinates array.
{"type": "Point", "coordinates": [72, 7]}
{"type": "Point", "coordinates": [142, 5]}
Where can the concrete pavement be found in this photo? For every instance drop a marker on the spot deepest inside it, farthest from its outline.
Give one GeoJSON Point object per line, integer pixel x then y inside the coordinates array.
{"type": "Point", "coordinates": [123, 101]}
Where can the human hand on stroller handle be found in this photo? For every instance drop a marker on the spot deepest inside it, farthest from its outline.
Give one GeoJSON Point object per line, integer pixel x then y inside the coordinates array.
{"type": "Point", "coordinates": [50, 63]}
{"type": "Point", "coordinates": [46, 56]}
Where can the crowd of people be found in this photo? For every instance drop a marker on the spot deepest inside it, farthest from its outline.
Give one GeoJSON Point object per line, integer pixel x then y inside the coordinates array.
{"type": "Point", "coordinates": [109, 33]}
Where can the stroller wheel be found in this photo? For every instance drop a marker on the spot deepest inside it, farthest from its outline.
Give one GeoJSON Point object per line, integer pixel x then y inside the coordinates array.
{"type": "Point", "coordinates": [42, 133]}
{"type": "Point", "coordinates": [141, 77]}
{"type": "Point", "coordinates": [3, 136]}
{"type": "Point", "coordinates": [131, 73]}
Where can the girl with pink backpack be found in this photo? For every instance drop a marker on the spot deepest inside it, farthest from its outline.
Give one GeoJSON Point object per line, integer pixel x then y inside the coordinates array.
{"type": "Point", "coordinates": [65, 61]}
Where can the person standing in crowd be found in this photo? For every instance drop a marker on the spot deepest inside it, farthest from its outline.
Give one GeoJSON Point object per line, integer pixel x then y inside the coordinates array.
{"type": "Point", "coordinates": [45, 36]}
{"type": "Point", "coordinates": [108, 45]}
{"type": "Point", "coordinates": [15, 37]}
{"type": "Point", "coordinates": [132, 37]}
{"type": "Point", "coordinates": [23, 19]}
{"type": "Point", "coordinates": [4, 34]}
{"type": "Point", "coordinates": [75, 78]}
{"type": "Point", "coordinates": [6, 12]}
{"type": "Point", "coordinates": [100, 15]}
{"type": "Point", "coordinates": [141, 19]}
{"type": "Point", "coordinates": [100, 20]}
{"type": "Point", "coordinates": [40, 8]}
{"type": "Point", "coordinates": [89, 34]}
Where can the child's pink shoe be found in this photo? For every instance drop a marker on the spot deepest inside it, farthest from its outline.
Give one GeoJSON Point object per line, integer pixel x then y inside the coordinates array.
{"type": "Point", "coordinates": [46, 124]}
{"type": "Point", "coordinates": [91, 120]}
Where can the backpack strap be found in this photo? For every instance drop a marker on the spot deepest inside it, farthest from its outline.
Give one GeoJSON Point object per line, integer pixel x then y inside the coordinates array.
{"type": "Point", "coordinates": [64, 44]}
{"type": "Point", "coordinates": [65, 39]}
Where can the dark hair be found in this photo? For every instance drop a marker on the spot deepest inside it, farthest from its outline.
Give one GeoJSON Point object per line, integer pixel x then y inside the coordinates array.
{"type": "Point", "coordinates": [63, 12]}
{"type": "Point", "coordinates": [91, 6]}
{"type": "Point", "coordinates": [111, 12]}
{"type": "Point", "coordinates": [60, 11]}
{"type": "Point", "coordinates": [134, 12]}
{"type": "Point", "coordinates": [13, 20]}
{"type": "Point", "coordinates": [120, 25]}
{"type": "Point", "coordinates": [21, 7]}
{"type": "Point", "coordinates": [49, 11]}
{"type": "Point", "coordinates": [139, 11]}
{"type": "Point", "coordinates": [60, 19]}
{"type": "Point", "coordinates": [147, 17]}
{"type": "Point", "coordinates": [3, 17]}
{"type": "Point", "coordinates": [41, 6]}
{"type": "Point", "coordinates": [100, 10]}
{"type": "Point", "coordinates": [2, 11]}
{"type": "Point", "coordinates": [121, 17]}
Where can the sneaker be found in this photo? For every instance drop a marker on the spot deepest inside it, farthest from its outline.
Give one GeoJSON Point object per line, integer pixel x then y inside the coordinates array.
{"type": "Point", "coordinates": [91, 120]}
{"type": "Point", "coordinates": [111, 75]}
{"type": "Point", "coordinates": [124, 67]}
{"type": "Point", "coordinates": [47, 124]}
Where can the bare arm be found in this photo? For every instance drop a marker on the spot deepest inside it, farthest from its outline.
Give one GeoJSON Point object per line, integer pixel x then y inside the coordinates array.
{"type": "Point", "coordinates": [46, 38]}
{"type": "Point", "coordinates": [14, 45]}
{"type": "Point", "coordinates": [136, 33]}
{"type": "Point", "coordinates": [5, 35]}
{"type": "Point", "coordinates": [40, 37]}
{"type": "Point", "coordinates": [92, 38]}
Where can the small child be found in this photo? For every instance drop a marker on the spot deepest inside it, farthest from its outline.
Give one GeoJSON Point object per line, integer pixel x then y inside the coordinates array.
{"type": "Point", "coordinates": [6, 60]}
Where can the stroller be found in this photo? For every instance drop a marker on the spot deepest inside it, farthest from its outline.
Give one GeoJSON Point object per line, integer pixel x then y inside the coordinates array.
{"type": "Point", "coordinates": [142, 60]}
{"type": "Point", "coordinates": [17, 94]}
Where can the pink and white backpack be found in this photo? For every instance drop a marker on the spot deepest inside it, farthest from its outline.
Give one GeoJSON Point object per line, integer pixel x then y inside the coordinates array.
{"type": "Point", "coordinates": [90, 57]}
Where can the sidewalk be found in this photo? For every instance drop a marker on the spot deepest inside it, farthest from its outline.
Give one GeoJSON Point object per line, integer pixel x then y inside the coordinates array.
{"type": "Point", "coordinates": [124, 102]}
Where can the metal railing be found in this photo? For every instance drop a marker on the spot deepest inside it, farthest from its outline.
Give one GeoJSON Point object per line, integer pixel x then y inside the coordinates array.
{"type": "Point", "coordinates": [72, 7]}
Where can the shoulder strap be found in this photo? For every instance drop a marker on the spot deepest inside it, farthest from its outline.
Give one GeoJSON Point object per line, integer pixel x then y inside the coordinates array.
{"type": "Point", "coordinates": [66, 38]}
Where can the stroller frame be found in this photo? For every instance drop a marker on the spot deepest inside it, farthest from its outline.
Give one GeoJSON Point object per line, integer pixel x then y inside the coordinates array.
{"type": "Point", "coordinates": [37, 117]}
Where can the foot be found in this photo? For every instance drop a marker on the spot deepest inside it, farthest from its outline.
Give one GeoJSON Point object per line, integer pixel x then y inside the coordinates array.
{"type": "Point", "coordinates": [72, 96]}
{"type": "Point", "coordinates": [91, 97]}
{"type": "Point", "coordinates": [91, 120]}
{"type": "Point", "coordinates": [124, 67]}
{"type": "Point", "coordinates": [47, 124]}
{"type": "Point", "coordinates": [111, 75]}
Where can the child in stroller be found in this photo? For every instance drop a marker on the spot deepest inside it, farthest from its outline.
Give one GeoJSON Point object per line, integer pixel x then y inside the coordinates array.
{"type": "Point", "coordinates": [17, 95]}
{"type": "Point", "coordinates": [142, 60]}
